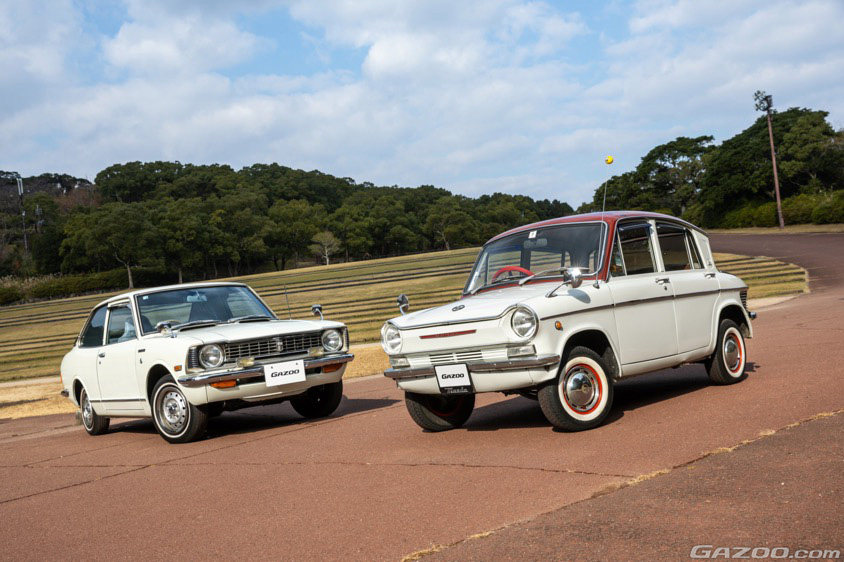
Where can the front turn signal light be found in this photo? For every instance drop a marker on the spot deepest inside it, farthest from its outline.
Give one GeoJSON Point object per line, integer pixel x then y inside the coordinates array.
{"type": "Point", "coordinates": [332, 368]}
{"type": "Point", "coordinates": [224, 384]}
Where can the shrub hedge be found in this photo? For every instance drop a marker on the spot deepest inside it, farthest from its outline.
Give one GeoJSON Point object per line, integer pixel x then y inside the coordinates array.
{"type": "Point", "coordinates": [9, 295]}
{"type": "Point", "coordinates": [825, 208]}
{"type": "Point", "coordinates": [115, 279]}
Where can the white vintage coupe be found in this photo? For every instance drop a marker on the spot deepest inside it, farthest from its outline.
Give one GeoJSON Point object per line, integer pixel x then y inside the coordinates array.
{"type": "Point", "coordinates": [561, 309]}
{"type": "Point", "coordinates": [184, 353]}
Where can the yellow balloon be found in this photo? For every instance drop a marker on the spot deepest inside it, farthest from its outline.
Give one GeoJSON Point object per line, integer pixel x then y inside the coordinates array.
{"type": "Point", "coordinates": [608, 159]}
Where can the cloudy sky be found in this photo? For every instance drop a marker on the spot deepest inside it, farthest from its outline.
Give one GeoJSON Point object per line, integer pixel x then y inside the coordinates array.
{"type": "Point", "coordinates": [476, 96]}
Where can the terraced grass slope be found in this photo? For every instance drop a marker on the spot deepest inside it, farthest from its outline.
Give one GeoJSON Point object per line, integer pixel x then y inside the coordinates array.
{"type": "Point", "coordinates": [35, 336]}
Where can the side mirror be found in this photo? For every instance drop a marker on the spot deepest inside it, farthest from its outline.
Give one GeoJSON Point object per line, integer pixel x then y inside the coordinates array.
{"type": "Point", "coordinates": [575, 277]}
{"type": "Point", "coordinates": [165, 328]}
{"type": "Point", "coordinates": [316, 310]}
{"type": "Point", "coordinates": [403, 303]}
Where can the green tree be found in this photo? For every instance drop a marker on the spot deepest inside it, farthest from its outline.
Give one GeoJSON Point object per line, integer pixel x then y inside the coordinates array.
{"type": "Point", "coordinates": [449, 223]}
{"type": "Point", "coordinates": [290, 229]}
{"type": "Point", "coordinates": [325, 245]}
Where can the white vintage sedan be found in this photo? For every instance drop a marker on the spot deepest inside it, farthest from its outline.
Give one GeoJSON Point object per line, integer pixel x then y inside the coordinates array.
{"type": "Point", "coordinates": [561, 309]}
{"type": "Point", "coordinates": [184, 353]}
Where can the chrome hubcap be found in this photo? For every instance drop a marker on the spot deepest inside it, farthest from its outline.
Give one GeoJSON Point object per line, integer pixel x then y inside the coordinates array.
{"type": "Point", "coordinates": [173, 411]}
{"type": "Point", "coordinates": [732, 354]}
{"type": "Point", "coordinates": [87, 411]}
{"type": "Point", "coordinates": [581, 389]}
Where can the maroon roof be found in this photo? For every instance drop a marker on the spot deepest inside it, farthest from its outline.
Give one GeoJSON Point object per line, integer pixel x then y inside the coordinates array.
{"type": "Point", "coordinates": [610, 217]}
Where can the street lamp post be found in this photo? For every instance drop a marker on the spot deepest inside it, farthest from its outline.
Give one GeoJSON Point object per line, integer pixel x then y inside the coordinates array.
{"type": "Point", "coordinates": [764, 102]}
{"type": "Point", "coordinates": [23, 215]}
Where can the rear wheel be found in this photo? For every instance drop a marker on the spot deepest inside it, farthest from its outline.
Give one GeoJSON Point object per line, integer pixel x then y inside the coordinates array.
{"type": "Point", "coordinates": [94, 423]}
{"type": "Point", "coordinates": [727, 365]}
{"type": "Point", "coordinates": [581, 396]}
{"type": "Point", "coordinates": [318, 401]}
{"type": "Point", "coordinates": [175, 418]}
{"type": "Point", "coordinates": [437, 412]}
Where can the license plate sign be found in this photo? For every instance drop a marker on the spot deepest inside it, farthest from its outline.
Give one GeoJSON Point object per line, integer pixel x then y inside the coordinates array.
{"type": "Point", "coordinates": [453, 379]}
{"type": "Point", "coordinates": [284, 373]}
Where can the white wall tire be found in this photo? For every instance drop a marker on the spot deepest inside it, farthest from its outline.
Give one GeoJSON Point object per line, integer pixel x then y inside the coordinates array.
{"type": "Point", "coordinates": [729, 363]}
{"type": "Point", "coordinates": [175, 418]}
{"type": "Point", "coordinates": [581, 395]}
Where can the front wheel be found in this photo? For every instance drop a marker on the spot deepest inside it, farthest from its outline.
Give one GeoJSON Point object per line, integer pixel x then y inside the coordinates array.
{"type": "Point", "coordinates": [318, 401]}
{"type": "Point", "coordinates": [437, 412]}
{"type": "Point", "coordinates": [581, 396]}
{"type": "Point", "coordinates": [94, 423]}
{"type": "Point", "coordinates": [175, 418]}
{"type": "Point", "coordinates": [727, 365]}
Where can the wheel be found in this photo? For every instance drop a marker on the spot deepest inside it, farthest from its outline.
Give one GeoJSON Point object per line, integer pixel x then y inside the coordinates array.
{"type": "Point", "coordinates": [318, 401]}
{"type": "Point", "coordinates": [436, 412]}
{"type": "Point", "coordinates": [581, 396]}
{"type": "Point", "coordinates": [176, 419]}
{"type": "Point", "coordinates": [727, 365]}
{"type": "Point", "coordinates": [94, 423]}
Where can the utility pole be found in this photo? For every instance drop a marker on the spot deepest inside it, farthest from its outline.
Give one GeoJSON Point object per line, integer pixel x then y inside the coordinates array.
{"type": "Point", "coordinates": [764, 102]}
{"type": "Point", "coordinates": [23, 214]}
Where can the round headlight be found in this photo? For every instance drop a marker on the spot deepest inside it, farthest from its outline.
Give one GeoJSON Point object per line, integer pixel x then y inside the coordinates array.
{"type": "Point", "coordinates": [211, 356]}
{"type": "Point", "coordinates": [332, 340]}
{"type": "Point", "coordinates": [524, 322]}
{"type": "Point", "coordinates": [390, 338]}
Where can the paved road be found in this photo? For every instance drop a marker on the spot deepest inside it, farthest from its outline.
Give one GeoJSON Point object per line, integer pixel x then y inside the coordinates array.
{"type": "Point", "coordinates": [366, 484]}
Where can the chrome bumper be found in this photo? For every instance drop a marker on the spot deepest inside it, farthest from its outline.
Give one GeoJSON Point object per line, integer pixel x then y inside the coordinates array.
{"type": "Point", "coordinates": [512, 365]}
{"type": "Point", "coordinates": [208, 378]}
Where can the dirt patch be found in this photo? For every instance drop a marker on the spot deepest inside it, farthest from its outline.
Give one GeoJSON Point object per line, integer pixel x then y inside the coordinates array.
{"type": "Point", "coordinates": [27, 399]}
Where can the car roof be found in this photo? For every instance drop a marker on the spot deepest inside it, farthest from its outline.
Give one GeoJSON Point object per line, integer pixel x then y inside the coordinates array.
{"type": "Point", "coordinates": [130, 294]}
{"type": "Point", "coordinates": [609, 217]}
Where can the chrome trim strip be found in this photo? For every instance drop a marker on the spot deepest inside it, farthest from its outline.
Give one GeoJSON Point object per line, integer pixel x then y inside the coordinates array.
{"type": "Point", "coordinates": [454, 322]}
{"type": "Point", "coordinates": [513, 365]}
{"type": "Point", "coordinates": [207, 378]}
{"type": "Point", "coordinates": [583, 311]}
{"type": "Point", "coordinates": [118, 400]}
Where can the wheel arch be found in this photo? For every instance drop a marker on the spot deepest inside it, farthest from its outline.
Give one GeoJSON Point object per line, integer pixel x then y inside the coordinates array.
{"type": "Point", "coordinates": [597, 341]}
{"type": "Point", "coordinates": [155, 374]}
{"type": "Point", "coordinates": [77, 390]}
{"type": "Point", "coordinates": [735, 312]}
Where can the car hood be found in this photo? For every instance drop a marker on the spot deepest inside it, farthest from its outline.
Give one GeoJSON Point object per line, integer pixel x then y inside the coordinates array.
{"type": "Point", "coordinates": [254, 330]}
{"type": "Point", "coordinates": [486, 305]}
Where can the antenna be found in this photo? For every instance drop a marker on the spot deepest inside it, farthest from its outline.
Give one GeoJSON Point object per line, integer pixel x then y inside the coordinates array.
{"type": "Point", "coordinates": [289, 314]}
{"type": "Point", "coordinates": [608, 160]}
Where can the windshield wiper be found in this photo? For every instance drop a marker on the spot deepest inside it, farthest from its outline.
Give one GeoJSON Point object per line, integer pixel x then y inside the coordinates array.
{"type": "Point", "coordinates": [194, 323]}
{"type": "Point", "coordinates": [493, 282]}
{"type": "Point", "coordinates": [248, 317]}
{"type": "Point", "coordinates": [547, 271]}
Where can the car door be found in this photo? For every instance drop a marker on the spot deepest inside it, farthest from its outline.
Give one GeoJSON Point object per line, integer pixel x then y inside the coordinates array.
{"type": "Point", "coordinates": [642, 297]}
{"type": "Point", "coordinates": [695, 289]}
{"type": "Point", "coordinates": [83, 366]}
{"type": "Point", "coordinates": [116, 362]}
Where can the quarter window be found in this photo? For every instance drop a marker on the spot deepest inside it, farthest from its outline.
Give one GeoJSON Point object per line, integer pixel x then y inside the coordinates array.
{"type": "Point", "coordinates": [92, 336]}
{"type": "Point", "coordinates": [634, 252]}
{"type": "Point", "coordinates": [121, 325]}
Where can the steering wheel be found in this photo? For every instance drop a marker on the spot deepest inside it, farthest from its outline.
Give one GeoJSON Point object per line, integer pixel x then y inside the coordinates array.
{"type": "Point", "coordinates": [507, 268]}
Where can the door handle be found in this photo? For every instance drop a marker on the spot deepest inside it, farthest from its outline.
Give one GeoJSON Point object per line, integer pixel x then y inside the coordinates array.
{"type": "Point", "coordinates": [662, 280]}
{"type": "Point", "coordinates": [102, 354]}
{"type": "Point", "coordinates": [709, 275]}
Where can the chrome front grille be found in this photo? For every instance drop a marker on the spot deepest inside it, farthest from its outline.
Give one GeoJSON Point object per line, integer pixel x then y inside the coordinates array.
{"type": "Point", "coordinates": [458, 356]}
{"type": "Point", "coordinates": [289, 344]}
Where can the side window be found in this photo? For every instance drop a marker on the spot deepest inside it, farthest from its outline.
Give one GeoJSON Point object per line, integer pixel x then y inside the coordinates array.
{"type": "Point", "coordinates": [121, 325]}
{"type": "Point", "coordinates": [636, 249]}
{"type": "Point", "coordinates": [617, 261]}
{"type": "Point", "coordinates": [672, 244]}
{"type": "Point", "coordinates": [93, 334]}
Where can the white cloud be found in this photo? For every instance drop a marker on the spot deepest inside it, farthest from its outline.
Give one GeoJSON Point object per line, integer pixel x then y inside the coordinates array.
{"type": "Point", "coordinates": [471, 96]}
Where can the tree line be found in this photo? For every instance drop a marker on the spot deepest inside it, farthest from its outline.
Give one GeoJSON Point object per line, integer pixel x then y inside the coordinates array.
{"type": "Point", "coordinates": [207, 221]}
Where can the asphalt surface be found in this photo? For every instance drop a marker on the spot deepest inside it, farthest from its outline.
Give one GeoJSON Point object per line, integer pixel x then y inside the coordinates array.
{"type": "Point", "coordinates": [367, 484]}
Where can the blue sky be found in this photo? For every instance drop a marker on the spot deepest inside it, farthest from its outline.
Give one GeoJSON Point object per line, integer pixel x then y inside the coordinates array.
{"type": "Point", "coordinates": [519, 96]}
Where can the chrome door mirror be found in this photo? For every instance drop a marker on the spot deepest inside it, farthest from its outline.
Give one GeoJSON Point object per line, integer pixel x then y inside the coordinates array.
{"type": "Point", "coordinates": [403, 303]}
{"type": "Point", "coordinates": [165, 328]}
{"type": "Point", "coordinates": [575, 277]}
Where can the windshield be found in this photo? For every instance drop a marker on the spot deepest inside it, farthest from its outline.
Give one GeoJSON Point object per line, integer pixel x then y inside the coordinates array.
{"type": "Point", "coordinates": [217, 304]}
{"type": "Point", "coordinates": [536, 251]}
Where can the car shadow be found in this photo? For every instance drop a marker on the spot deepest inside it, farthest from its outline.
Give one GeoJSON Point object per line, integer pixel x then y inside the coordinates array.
{"type": "Point", "coordinates": [628, 395]}
{"type": "Point", "coordinates": [259, 417]}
